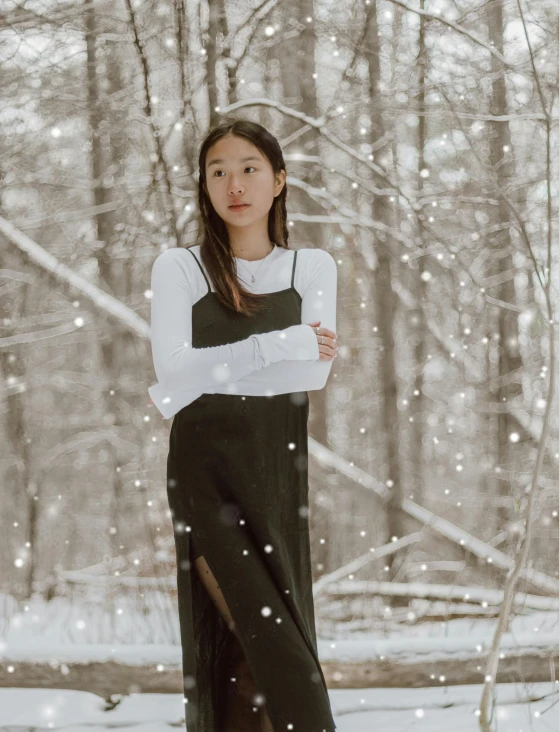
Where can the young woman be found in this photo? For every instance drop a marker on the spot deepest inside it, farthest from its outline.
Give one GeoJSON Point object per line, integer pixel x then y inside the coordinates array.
{"type": "Point", "coordinates": [241, 328]}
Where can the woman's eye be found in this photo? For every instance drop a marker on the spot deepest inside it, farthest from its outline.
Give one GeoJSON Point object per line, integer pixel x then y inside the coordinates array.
{"type": "Point", "coordinates": [249, 166]}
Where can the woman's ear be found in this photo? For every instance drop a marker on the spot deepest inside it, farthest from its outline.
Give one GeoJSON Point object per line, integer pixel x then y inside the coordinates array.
{"type": "Point", "coordinates": [280, 182]}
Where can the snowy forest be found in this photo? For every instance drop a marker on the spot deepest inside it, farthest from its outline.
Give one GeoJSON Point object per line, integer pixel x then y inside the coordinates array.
{"type": "Point", "coordinates": [420, 138]}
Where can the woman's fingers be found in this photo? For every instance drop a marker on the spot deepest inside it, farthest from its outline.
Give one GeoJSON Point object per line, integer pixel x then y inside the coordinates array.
{"type": "Point", "coordinates": [327, 342]}
{"type": "Point", "coordinates": [323, 331]}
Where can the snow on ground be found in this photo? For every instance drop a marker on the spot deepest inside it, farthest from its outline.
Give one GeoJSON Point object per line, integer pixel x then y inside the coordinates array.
{"type": "Point", "coordinates": [427, 641]}
{"type": "Point", "coordinates": [74, 631]}
{"type": "Point", "coordinates": [86, 628]}
{"type": "Point", "coordinates": [355, 710]}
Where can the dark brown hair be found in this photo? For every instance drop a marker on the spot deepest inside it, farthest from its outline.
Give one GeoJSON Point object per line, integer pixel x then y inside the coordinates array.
{"type": "Point", "coordinates": [216, 254]}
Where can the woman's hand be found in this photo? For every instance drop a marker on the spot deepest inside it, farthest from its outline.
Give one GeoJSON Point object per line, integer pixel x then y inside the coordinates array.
{"type": "Point", "coordinates": [327, 342]}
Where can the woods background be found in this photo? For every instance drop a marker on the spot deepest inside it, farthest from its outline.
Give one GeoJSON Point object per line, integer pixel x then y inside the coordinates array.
{"type": "Point", "coordinates": [421, 150]}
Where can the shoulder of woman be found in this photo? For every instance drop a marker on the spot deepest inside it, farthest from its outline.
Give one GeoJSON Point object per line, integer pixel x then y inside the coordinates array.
{"type": "Point", "coordinates": [176, 268]}
{"type": "Point", "coordinates": [175, 259]}
{"type": "Point", "coordinates": [316, 260]}
{"type": "Point", "coordinates": [314, 254]}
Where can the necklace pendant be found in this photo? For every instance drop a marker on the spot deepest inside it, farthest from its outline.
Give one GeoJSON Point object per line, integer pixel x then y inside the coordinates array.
{"type": "Point", "coordinates": [253, 278]}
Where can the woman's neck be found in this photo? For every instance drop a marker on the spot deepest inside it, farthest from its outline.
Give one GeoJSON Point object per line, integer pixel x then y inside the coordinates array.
{"type": "Point", "coordinates": [253, 253]}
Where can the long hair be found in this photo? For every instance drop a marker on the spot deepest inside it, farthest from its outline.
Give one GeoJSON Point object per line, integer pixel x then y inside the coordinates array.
{"type": "Point", "coordinates": [215, 251]}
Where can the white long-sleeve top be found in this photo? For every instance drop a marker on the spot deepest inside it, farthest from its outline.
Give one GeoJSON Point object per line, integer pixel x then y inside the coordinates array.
{"type": "Point", "coordinates": [265, 364]}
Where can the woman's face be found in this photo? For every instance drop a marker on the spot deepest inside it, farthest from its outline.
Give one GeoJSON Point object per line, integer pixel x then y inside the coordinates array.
{"type": "Point", "coordinates": [236, 171]}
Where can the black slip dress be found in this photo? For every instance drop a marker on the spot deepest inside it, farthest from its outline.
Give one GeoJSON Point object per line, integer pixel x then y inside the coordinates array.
{"type": "Point", "coordinates": [237, 485]}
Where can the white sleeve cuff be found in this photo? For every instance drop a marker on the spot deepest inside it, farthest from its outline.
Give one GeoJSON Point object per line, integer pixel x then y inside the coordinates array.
{"type": "Point", "coordinates": [295, 343]}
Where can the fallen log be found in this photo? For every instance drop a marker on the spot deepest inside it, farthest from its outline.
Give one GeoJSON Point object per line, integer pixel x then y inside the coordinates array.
{"type": "Point", "coordinates": [347, 664]}
{"type": "Point", "coordinates": [347, 589]}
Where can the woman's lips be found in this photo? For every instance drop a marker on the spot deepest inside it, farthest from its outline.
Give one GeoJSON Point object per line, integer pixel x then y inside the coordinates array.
{"type": "Point", "coordinates": [239, 208]}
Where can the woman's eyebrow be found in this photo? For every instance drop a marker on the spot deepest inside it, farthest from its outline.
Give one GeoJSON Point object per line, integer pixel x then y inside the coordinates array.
{"type": "Point", "coordinates": [219, 161]}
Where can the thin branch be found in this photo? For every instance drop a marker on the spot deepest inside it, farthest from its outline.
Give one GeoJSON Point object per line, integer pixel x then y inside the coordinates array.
{"type": "Point", "coordinates": [520, 560]}
{"type": "Point", "coordinates": [459, 29]}
{"type": "Point", "coordinates": [148, 110]}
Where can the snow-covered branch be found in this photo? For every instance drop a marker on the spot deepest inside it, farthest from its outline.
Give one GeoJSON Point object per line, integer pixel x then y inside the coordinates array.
{"type": "Point", "coordinates": [442, 527]}
{"type": "Point", "coordinates": [63, 275]}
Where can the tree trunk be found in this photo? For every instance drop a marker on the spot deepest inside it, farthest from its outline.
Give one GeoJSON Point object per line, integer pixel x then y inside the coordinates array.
{"type": "Point", "coordinates": [385, 305]}
{"type": "Point", "coordinates": [509, 383]}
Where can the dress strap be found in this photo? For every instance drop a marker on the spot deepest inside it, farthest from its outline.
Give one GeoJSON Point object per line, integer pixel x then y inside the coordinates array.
{"type": "Point", "coordinates": [201, 270]}
{"type": "Point", "coordinates": [293, 272]}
